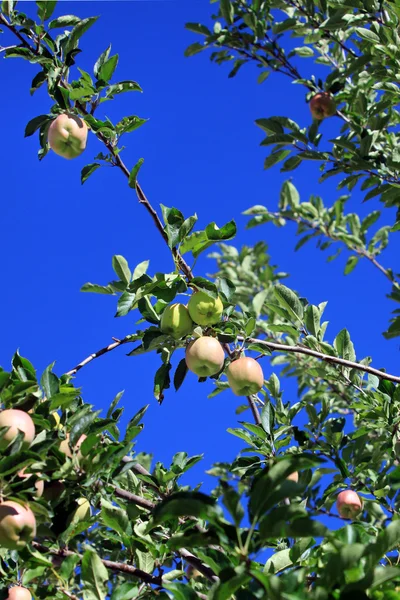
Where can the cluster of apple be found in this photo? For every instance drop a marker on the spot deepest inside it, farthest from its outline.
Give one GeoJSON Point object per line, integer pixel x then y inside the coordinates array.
{"type": "Point", "coordinates": [205, 356]}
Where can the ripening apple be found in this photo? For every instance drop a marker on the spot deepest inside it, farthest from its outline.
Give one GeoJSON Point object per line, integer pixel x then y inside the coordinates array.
{"type": "Point", "coordinates": [18, 592]}
{"type": "Point", "coordinates": [293, 477]}
{"type": "Point", "coordinates": [205, 310]}
{"type": "Point", "coordinates": [205, 356]}
{"type": "Point", "coordinates": [16, 420]}
{"type": "Point", "coordinates": [81, 512]}
{"type": "Point", "coordinates": [322, 105]}
{"type": "Point", "coordinates": [39, 483]}
{"type": "Point", "coordinates": [349, 504]}
{"type": "Point", "coordinates": [17, 525]}
{"type": "Point", "coordinates": [176, 321]}
{"type": "Point", "coordinates": [245, 376]}
{"type": "Point", "coordinates": [67, 135]}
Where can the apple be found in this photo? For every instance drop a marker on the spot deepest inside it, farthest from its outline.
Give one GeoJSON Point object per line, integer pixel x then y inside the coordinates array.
{"type": "Point", "coordinates": [245, 376]}
{"type": "Point", "coordinates": [18, 593]}
{"type": "Point", "coordinates": [39, 484]}
{"type": "Point", "coordinates": [349, 504]}
{"type": "Point", "coordinates": [16, 420]}
{"type": "Point", "coordinates": [205, 310]}
{"type": "Point", "coordinates": [17, 525]}
{"type": "Point", "coordinates": [176, 321]}
{"type": "Point", "coordinates": [66, 448]}
{"type": "Point", "coordinates": [81, 512]}
{"type": "Point", "coordinates": [293, 477]}
{"type": "Point", "coordinates": [67, 135]}
{"type": "Point", "coordinates": [205, 356]}
{"type": "Point", "coordinates": [322, 105]}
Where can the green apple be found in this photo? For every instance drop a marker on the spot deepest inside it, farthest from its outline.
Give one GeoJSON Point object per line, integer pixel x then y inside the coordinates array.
{"type": "Point", "coordinates": [16, 420]}
{"type": "Point", "coordinates": [205, 356]}
{"type": "Point", "coordinates": [245, 376]}
{"type": "Point", "coordinates": [81, 512]}
{"type": "Point", "coordinates": [176, 321]}
{"type": "Point", "coordinates": [205, 310]}
{"type": "Point", "coordinates": [67, 136]}
{"type": "Point", "coordinates": [349, 504]}
{"type": "Point", "coordinates": [18, 592]}
{"type": "Point", "coordinates": [322, 105]}
{"type": "Point", "coordinates": [17, 525]}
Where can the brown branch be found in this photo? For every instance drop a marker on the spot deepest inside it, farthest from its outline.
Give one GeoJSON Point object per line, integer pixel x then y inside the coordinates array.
{"type": "Point", "coordinates": [325, 357]}
{"type": "Point", "coordinates": [100, 352]}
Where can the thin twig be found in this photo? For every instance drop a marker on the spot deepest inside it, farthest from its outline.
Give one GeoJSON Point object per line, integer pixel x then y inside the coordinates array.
{"type": "Point", "coordinates": [325, 357]}
{"type": "Point", "coordinates": [104, 350]}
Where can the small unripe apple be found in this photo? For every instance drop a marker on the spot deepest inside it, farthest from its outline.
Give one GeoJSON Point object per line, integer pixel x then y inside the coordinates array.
{"type": "Point", "coordinates": [349, 504]}
{"type": "Point", "coordinates": [205, 356]}
{"type": "Point", "coordinates": [322, 105]}
{"type": "Point", "coordinates": [16, 420]}
{"type": "Point", "coordinates": [293, 477]}
{"type": "Point", "coordinates": [245, 376]}
{"type": "Point", "coordinates": [205, 310]}
{"type": "Point", "coordinates": [66, 448]}
{"type": "Point", "coordinates": [81, 512]}
{"type": "Point", "coordinates": [39, 484]}
{"type": "Point", "coordinates": [176, 321]}
{"type": "Point", "coordinates": [17, 525]}
{"type": "Point", "coordinates": [18, 592]}
{"type": "Point", "coordinates": [67, 136]}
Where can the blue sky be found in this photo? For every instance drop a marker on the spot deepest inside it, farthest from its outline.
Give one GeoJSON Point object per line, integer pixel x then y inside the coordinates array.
{"type": "Point", "coordinates": [202, 154]}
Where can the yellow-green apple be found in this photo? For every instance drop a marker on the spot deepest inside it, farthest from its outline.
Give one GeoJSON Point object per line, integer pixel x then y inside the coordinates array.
{"type": "Point", "coordinates": [67, 135]}
{"type": "Point", "coordinates": [293, 477]}
{"type": "Point", "coordinates": [66, 448]}
{"type": "Point", "coordinates": [176, 321]}
{"type": "Point", "coordinates": [322, 105]}
{"type": "Point", "coordinates": [245, 376]}
{"type": "Point", "coordinates": [18, 592]}
{"type": "Point", "coordinates": [205, 356]}
{"type": "Point", "coordinates": [17, 525]}
{"type": "Point", "coordinates": [349, 504]}
{"type": "Point", "coordinates": [16, 420]}
{"type": "Point", "coordinates": [39, 484]}
{"type": "Point", "coordinates": [205, 310]}
{"type": "Point", "coordinates": [81, 512]}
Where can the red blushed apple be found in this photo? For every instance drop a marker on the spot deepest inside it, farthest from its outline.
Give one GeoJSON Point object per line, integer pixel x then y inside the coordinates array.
{"type": "Point", "coordinates": [322, 105]}
{"type": "Point", "coordinates": [293, 477]}
{"type": "Point", "coordinates": [67, 136]}
{"type": "Point", "coordinates": [245, 376]}
{"type": "Point", "coordinates": [18, 593]}
{"type": "Point", "coordinates": [16, 420]}
{"type": "Point", "coordinates": [205, 356]}
{"type": "Point", "coordinates": [17, 525]}
{"type": "Point", "coordinates": [349, 504]}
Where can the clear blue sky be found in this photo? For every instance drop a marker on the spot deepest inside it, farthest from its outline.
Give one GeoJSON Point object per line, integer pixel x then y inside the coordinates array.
{"type": "Point", "coordinates": [202, 154]}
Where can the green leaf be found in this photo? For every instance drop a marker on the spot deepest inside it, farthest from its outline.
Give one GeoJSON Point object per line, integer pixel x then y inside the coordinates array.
{"type": "Point", "coordinates": [122, 87]}
{"type": "Point", "coordinates": [115, 518]}
{"type": "Point", "coordinates": [97, 289]}
{"type": "Point", "coordinates": [184, 504]}
{"type": "Point", "coordinates": [106, 71]}
{"type": "Point", "coordinates": [278, 561]}
{"type": "Point", "coordinates": [134, 173]}
{"type": "Point", "coordinates": [129, 124]}
{"type": "Point", "coordinates": [81, 92]}
{"type": "Point", "coordinates": [50, 382]}
{"type": "Point", "coordinates": [35, 124]}
{"type": "Point", "coordinates": [125, 304]}
{"type": "Point", "coordinates": [198, 28]}
{"type": "Point", "coordinates": [180, 374]}
{"type": "Point", "coordinates": [162, 381]}
{"type": "Point", "coordinates": [344, 346]}
{"type": "Point", "coordinates": [350, 264]}
{"type": "Point", "coordinates": [64, 21]}
{"type": "Point", "coordinates": [140, 270]}
{"type": "Point", "coordinates": [194, 49]}
{"type": "Point", "coordinates": [88, 170]}
{"type": "Point", "coordinates": [206, 286]}
{"type": "Point", "coordinates": [181, 591]}
{"type": "Point", "coordinates": [45, 9]}
{"type": "Point", "coordinates": [94, 577]}
{"type": "Point", "coordinates": [121, 268]}
{"type": "Point", "coordinates": [289, 300]}
{"type": "Point", "coordinates": [37, 81]}
{"type": "Point", "coordinates": [227, 11]}
{"type": "Point", "coordinates": [77, 32]}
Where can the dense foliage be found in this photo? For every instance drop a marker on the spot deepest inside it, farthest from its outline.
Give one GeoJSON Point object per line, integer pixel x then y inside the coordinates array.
{"type": "Point", "coordinates": [108, 523]}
